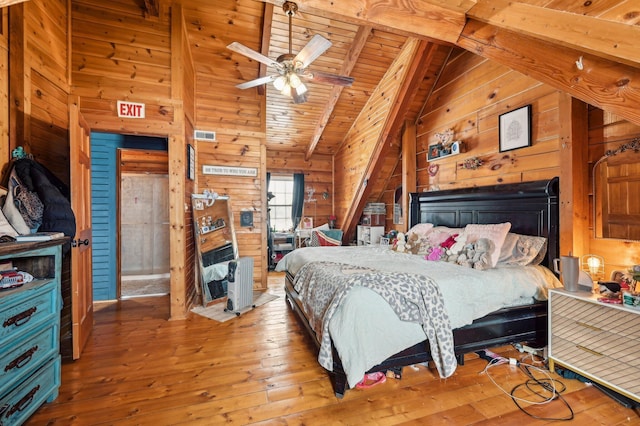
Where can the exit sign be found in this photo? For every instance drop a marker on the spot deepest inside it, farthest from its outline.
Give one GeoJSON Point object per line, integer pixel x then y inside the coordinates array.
{"type": "Point", "coordinates": [130, 109]}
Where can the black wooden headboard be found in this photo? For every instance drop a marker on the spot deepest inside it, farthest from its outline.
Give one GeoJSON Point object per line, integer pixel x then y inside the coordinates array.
{"type": "Point", "coordinates": [531, 207]}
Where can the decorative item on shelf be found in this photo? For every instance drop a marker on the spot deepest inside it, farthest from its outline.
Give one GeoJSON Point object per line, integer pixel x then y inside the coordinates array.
{"type": "Point", "coordinates": [444, 146]}
{"type": "Point", "coordinates": [472, 163]}
{"type": "Point", "coordinates": [594, 266]}
{"type": "Point", "coordinates": [332, 221]}
{"type": "Point", "coordinates": [433, 169]}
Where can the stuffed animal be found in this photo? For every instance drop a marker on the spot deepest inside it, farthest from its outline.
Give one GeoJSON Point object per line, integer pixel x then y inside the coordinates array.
{"type": "Point", "coordinates": [400, 245]}
{"type": "Point", "coordinates": [454, 250]}
{"type": "Point", "coordinates": [482, 257]}
{"type": "Point", "coordinates": [475, 255]}
{"type": "Point", "coordinates": [413, 243]}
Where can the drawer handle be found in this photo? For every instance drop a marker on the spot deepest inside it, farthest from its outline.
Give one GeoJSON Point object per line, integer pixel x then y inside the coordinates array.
{"type": "Point", "coordinates": [22, 360]}
{"type": "Point", "coordinates": [21, 318]}
{"type": "Point", "coordinates": [583, 324]}
{"type": "Point", "coordinates": [591, 351]}
{"type": "Point", "coordinates": [24, 402]}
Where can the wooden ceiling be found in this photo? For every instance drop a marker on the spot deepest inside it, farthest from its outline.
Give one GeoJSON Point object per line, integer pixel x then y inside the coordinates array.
{"type": "Point", "coordinates": [366, 37]}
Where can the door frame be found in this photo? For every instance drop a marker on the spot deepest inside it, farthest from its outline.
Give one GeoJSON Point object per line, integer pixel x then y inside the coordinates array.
{"type": "Point", "coordinates": [141, 161]}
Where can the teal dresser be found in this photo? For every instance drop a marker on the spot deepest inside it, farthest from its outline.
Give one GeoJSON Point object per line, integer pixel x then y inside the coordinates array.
{"type": "Point", "coordinates": [30, 331]}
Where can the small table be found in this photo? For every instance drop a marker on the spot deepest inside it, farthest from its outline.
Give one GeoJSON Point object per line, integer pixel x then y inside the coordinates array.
{"type": "Point", "coordinates": [302, 235]}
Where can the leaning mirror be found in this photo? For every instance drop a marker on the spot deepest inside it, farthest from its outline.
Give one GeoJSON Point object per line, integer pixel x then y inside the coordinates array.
{"type": "Point", "coordinates": [215, 243]}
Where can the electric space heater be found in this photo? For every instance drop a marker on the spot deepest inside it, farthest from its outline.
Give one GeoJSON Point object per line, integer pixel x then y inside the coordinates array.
{"type": "Point", "coordinates": [239, 284]}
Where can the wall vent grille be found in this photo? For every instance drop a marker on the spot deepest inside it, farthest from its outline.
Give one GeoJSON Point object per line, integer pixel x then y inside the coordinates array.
{"type": "Point", "coordinates": [204, 135]}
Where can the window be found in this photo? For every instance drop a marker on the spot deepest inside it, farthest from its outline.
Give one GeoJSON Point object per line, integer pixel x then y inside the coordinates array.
{"type": "Point", "coordinates": [280, 205]}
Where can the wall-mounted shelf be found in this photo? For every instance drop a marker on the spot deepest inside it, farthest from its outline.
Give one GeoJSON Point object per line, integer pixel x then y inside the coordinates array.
{"type": "Point", "coordinates": [438, 151]}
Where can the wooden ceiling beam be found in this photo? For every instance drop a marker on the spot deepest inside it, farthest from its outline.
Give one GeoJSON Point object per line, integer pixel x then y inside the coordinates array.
{"type": "Point", "coordinates": [347, 66]}
{"type": "Point", "coordinates": [609, 85]}
{"type": "Point", "coordinates": [611, 40]}
{"type": "Point", "coordinates": [5, 3]}
{"type": "Point", "coordinates": [435, 19]}
{"type": "Point", "coordinates": [267, 25]}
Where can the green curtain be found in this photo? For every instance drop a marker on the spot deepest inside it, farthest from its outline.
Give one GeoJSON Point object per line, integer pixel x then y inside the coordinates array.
{"type": "Point", "coordinates": [298, 199]}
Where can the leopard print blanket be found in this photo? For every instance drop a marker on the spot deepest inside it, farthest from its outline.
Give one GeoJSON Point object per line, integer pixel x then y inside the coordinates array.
{"type": "Point", "coordinates": [322, 286]}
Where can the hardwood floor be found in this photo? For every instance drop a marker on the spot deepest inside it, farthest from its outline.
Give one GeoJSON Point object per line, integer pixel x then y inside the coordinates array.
{"type": "Point", "coordinates": [140, 369]}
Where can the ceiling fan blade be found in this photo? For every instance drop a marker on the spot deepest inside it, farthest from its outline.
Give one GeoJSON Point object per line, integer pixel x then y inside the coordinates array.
{"type": "Point", "coordinates": [256, 82]}
{"type": "Point", "coordinates": [250, 53]}
{"type": "Point", "coordinates": [323, 77]}
{"type": "Point", "coordinates": [310, 52]}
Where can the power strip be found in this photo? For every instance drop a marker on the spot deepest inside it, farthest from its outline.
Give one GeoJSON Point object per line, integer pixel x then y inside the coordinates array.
{"type": "Point", "coordinates": [528, 349]}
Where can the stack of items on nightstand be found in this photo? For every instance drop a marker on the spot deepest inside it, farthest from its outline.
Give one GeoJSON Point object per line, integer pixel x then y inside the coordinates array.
{"type": "Point", "coordinates": [374, 214]}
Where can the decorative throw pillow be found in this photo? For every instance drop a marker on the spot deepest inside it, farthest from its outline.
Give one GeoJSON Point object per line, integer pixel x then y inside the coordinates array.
{"type": "Point", "coordinates": [422, 229]}
{"type": "Point", "coordinates": [10, 210]}
{"type": "Point", "coordinates": [523, 250]}
{"type": "Point", "coordinates": [496, 232]}
{"type": "Point", "coordinates": [322, 238]}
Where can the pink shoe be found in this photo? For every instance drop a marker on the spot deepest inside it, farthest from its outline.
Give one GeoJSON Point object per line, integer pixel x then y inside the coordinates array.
{"type": "Point", "coordinates": [371, 379]}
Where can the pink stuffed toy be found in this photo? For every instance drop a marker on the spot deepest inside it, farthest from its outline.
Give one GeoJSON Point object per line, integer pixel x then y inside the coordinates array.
{"type": "Point", "coordinates": [435, 253]}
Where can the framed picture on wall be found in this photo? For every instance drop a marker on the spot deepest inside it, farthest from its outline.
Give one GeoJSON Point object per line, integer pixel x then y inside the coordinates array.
{"type": "Point", "coordinates": [191, 162]}
{"type": "Point", "coordinates": [514, 128]}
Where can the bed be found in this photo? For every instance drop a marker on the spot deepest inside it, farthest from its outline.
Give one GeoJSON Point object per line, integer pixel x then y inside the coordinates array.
{"type": "Point", "coordinates": [530, 208]}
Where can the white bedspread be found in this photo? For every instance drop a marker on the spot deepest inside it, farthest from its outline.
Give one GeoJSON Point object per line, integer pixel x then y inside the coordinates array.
{"type": "Point", "coordinates": [366, 331]}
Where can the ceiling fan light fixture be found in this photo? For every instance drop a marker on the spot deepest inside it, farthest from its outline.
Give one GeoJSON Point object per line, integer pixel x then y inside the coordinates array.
{"type": "Point", "coordinates": [301, 89]}
{"type": "Point", "coordinates": [279, 82]}
{"type": "Point", "coordinates": [294, 80]}
{"type": "Point", "coordinates": [286, 90]}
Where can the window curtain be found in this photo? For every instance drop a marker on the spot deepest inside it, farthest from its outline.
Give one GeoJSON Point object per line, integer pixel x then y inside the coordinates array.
{"type": "Point", "coordinates": [298, 199]}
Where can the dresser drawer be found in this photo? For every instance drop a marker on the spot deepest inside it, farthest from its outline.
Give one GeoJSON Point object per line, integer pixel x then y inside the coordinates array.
{"type": "Point", "coordinates": [24, 308]}
{"type": "Point", "coordinates": [597, 340]}
{"type": "Point", "coordinates": [596, 365]}
{"type": "Point", "coordinates": [26, 354]}
{"type": "Point", "coordinates": [23, 400]}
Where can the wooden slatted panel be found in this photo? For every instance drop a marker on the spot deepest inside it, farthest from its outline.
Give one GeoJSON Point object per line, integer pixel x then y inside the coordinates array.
{"type": "Point", "coordinates": [119, 55]}
{"type": "Point", "coordinates": [469, 97]}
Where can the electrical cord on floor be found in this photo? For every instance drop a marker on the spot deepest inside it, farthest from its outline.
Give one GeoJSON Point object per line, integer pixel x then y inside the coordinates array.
{"type": "Point", "coordinates": [547, 389]}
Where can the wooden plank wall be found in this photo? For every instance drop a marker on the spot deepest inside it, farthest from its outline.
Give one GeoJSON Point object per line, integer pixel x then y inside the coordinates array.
{"type": "Point", "coordinates": [364, 142]}
{"type": "Point", "coordinates": [39, 82]}
{"type": "Point", "coordinates": [237, 117]}
{"type": "Point", "coordinates": [4, 88]}
{"type": "Point", "coordinates": [608, 131]}
{"type": "Point", "coordinates": [471, 94]}
{"type": "Point", "coordinates": [318, 175]}
{"type": "Point", "coordinates": [121, 53]}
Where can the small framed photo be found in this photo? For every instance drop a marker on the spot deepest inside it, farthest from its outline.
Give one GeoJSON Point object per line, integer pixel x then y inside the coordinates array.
{"type": "Point", "coordinates": [514, 128]}
{"type": "Point", "coordinates": [434, 151]}
{"type": "Point", "coordinates": [306, 223]}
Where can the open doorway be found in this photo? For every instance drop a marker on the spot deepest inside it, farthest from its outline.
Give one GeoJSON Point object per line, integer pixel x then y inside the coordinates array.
{"type": "Point", "coordinates": [112, 155]}
{"type": "Point", "coordinates": [144, 234]}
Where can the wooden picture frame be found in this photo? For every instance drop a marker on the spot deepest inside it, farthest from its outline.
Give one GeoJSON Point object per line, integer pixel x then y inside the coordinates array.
{"type": "Point", "coordinates": [191, 162]}
{"type": "Point", "coordinates": [306, 223]}
{"type": "Point", "coordinates": [514, 129]}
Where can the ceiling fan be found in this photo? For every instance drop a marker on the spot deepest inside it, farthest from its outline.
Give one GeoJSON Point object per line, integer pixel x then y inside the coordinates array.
{"type": "Point", "coordinates": [292, 69]}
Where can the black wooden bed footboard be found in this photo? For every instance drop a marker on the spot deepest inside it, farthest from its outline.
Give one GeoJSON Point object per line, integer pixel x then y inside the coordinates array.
{"type": "Point", "coordinates": [532, 209]}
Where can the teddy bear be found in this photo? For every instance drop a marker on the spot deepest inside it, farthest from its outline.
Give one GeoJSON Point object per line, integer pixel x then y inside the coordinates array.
{"type": "Point", "coordinates": [475, 255]}
{"type": "Point", "coordinates": [413, 243]}
{"type": "Point", "coordinates": [482, 256]}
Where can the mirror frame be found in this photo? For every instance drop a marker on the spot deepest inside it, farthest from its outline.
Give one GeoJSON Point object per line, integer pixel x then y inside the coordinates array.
{"type": "Point", "coordinates": [209, 200]}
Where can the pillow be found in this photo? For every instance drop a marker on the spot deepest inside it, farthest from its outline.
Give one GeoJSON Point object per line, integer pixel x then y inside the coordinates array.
{"type": "Point", "coordinates": [523, 250]}
{"type": "Point", "coordinates": [496, 232]}
{"type": "Point", "coordinates": [421, 229]}
{"type": "Point", "coordinates": [437, 236]}
{"type": "Point", "coordinates": [326, 238]}
{"type": "Point", "coordinates": [10, 210]}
